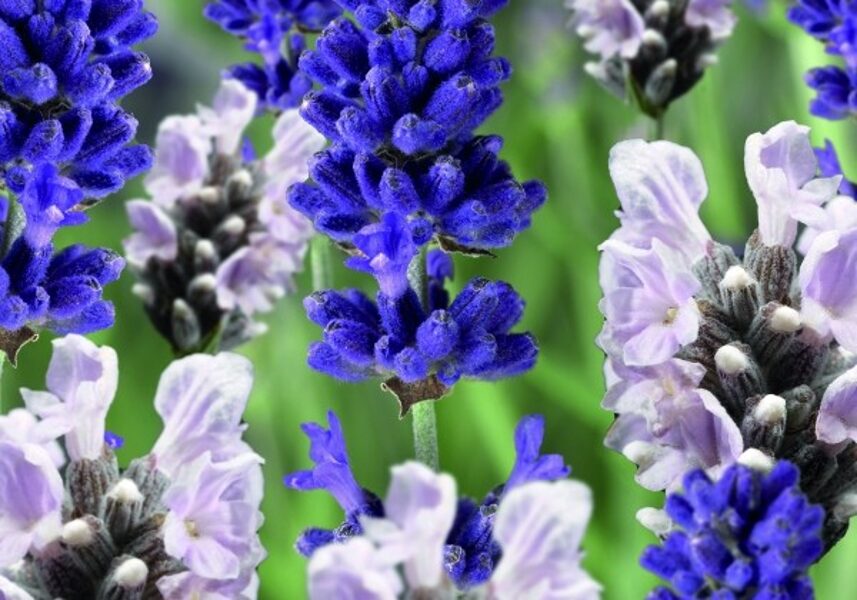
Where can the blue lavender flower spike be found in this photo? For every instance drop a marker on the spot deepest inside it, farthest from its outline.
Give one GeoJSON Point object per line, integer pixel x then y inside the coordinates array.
{"type": "Point", "coordinates": [420, 355]}
{"type": "Point", "coordinates": [267, 27]}
{"type": "Point", "coordinates": [402, 91]}
{"type": "Point", "coordinates": [332, 472]}
{"type": "Point", "coordinates": [65, 68]}
{"type": "Point", "coordinates": [747, 534]}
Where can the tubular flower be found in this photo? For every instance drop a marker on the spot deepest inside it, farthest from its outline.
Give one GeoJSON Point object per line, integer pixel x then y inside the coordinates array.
{"type": "Point", "coordinates": [653, 51]}
{"type": "Point", "coordinates": [217, 243]}
{"type": "Point", "coordinates": [274, 29]}
{"type": "Point", "coordinates": [525, 534]}
{"type": "Point", "coordinates": [710, 355]}
{"type": "Point", "coordinates": [750, 534]}
{"type": "Point", "coordinates": [402, 90]}
{"type": "Point", "coordinates": [419, 348]}
{"type": "Point", "coordinates": [177, 522]}
{"type": "Point", "coordinates": [65, 67]}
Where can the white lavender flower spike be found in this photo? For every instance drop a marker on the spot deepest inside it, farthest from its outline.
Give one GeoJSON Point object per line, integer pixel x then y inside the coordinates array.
{"type": "Point", "coordinates": [178, 523]}
{"type": "Point", "coordinates": [766, 376]}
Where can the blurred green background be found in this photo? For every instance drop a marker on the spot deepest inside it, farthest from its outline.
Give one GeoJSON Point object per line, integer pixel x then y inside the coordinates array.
{"type": "Point", "coordinates": [559, 126]}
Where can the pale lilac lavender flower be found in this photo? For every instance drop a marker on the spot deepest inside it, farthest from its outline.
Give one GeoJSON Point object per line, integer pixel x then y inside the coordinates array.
{"type": "Point", "coordinates": [81, 380]}
{"type": "Point", "coordinates": [540, 527]}
{"type": "Point", "coordinates": [356, 569]}
{"type": "Point", "coordinates": [654, 313]}
{"type": "Point", "coordinates": [31, 496]}
{"type": "Point", "coordinates": [181, 159]}
{"type": "Point", "coordinates": [21, 427]}
{"type": "Point", "coordinates": [248, 242]}
{"type": "Point", "coordinates": [419, 511]}
{"type": "Point", "coordinates": [660, 187]}
{"type": "Point", "coordinates": [717, 15]}
{"type": "Point", "coordinates": [610, 27]}
{"type": "Point", "coordinates": [765, 375]}
{"type": "Point", "coordinates": [841, 215]}
{"type": "Point", "coordinates": [183, 518]}
{"type": "Point", "coordinates": [781, 168]}
{"type": "Point", "coordinates": [837, 415]}
{"type": "Point", "coordinates": [829, 292]}
{"type": "Point", "coordinates": [201, 400]}
{"type": "Point", "coordinates": [154, 236]}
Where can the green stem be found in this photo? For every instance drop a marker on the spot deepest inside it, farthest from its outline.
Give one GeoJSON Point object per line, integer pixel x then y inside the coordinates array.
{"type": "Point", "coordinates": [425, 434]}
{"type": "Point", "coordinates": [658, 127]}
{"type": "Point", "coordinates": [2, 363]}
{"type": "Point", "coordinates": [322, 263]}
{"type": "Point", "coordinates": [423, 413]}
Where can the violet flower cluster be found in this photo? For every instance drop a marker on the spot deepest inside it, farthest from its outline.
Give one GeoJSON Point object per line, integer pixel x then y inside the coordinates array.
{"type": "Point", "coordinates": [831, 22]}
{"type": "Point", "coordinates": [710, 356]}
{"type": "Point", "coordinates": [651, 51]}
{"type": "Point", "coordinates": [63, 146]}
{"type": "Point", "coordinates": [420, 348]}
{"type": "Point", "coordinates": [178, 523]}
{"type": "Point", "coordinates": [217, 243]}
{"type": "Point", "coordinates": [748, 535]}
{"type": "Point", "coordinates": [275, 30]}
{"type": "Point", "coordinates": [403, 88]}
{"type": "Point", "coordinates": [521, 540]}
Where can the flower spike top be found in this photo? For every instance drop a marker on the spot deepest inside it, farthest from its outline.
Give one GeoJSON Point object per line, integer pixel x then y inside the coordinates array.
{"type": "Point", "coordinates": [275, 29]}
{"type": "Point", "coordinates": [653, 51]}
{"type": "Point", "coordinates": [709, 355]}
{"type": "Point", "coordinates": [402, 90]}
{"type": "Point", "coordinates": [64, 145]}
{"type": "Point", "coordinates": [217, 243]}
{"type": "Point", "coordinates": [750, 534]}
{"type": "Point", "coordinates": [65, 66]}
{"type": "Point", "coordinates": [524, 535]}
{"type": "Point", "coordinates": [178, 523]}
{"type": "Point", "coordinates": [419, 347]}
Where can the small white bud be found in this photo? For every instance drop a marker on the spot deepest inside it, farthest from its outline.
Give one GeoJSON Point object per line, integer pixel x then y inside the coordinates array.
{"type": "Point", "coordinates": [785, 320]}
{"type": "Point", "coordinates": [234, 225]}
{"type": "Point", "coordinates": [659, 8]}
{"type": "Point", "coordinates": [143, 292]}
{"type": "Point", "coordinates": [736, 278]}
{"type": "Point", "coordinates": [204, 283]}
{"type": "Point", "coordinates": [209, 195]}
{"type": "Point", "coordinates": [756, 460]}
{"type": "Point", "coordinates": [731, 360]}
{"type": "Point", "coordinates": [771, 409]}
{"type": "Point", "coordinates": [131, 574]}
{"type": "Point", "coordinates": [126, 492]}
{"type": "Point", "coordinates": [639, 453]}
{"type": "Point", "coordinates": [846, 507]}
{"type": "Point", "coordinates": [707, 60]}
{"type": "Point", "coordinates": [77, 533]}
{"type": "Point", "coordinates": [181, 308]}
{"type": "Point", "coordinates": [242, 178]}
{"type": "Point", "coordinates": [655, 520]}
{"type": "Point", "coordinates": [652, 37]}
{"type": "Point", "coordinates": [204, 250]}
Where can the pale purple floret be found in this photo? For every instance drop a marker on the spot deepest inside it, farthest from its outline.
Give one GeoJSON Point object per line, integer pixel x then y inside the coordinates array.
{"type": "Point", "coordinates": [717, 15]}
{"type": "Point", "coordinates": [610, 27]}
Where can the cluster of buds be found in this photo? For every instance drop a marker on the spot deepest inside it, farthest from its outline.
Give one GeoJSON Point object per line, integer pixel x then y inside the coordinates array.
{"type": "Point", "coordinates": [218, 243]}
{"type": "Point", "coordinates": [653, 51]}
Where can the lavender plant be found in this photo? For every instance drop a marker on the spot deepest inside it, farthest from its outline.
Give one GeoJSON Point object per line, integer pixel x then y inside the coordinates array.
{"type": "Point", "coordinates": [276, 30]}
{"type": "Point", "coordinates": [178, 523]}
{"type": "Point", "coordinates": [402, 89]}
{"type": "Point", "coordinates": [217, 243]}
{"type": "Point", "coordinates": [651, 51]}
{"type": "Point", "coordinates": [522, 539]}
{"type": "Point", "coordinates": [64, 145]}
{"type": "Point", "coordinates": [711, 358]}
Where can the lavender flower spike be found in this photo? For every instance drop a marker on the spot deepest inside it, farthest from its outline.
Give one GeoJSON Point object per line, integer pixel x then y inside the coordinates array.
{"type": "Point", "coordinates": [762, 370]}
{"type": "Point", "coordinates": [177, 523]}
{"type": "Point", "coordinates": [442, 542]}
{"type": "Point", "coordinates": [217, 243]}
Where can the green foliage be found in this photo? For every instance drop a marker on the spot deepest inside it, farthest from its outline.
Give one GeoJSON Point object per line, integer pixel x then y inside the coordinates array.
{"type": "Point", "coordinates": [559, 126]}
